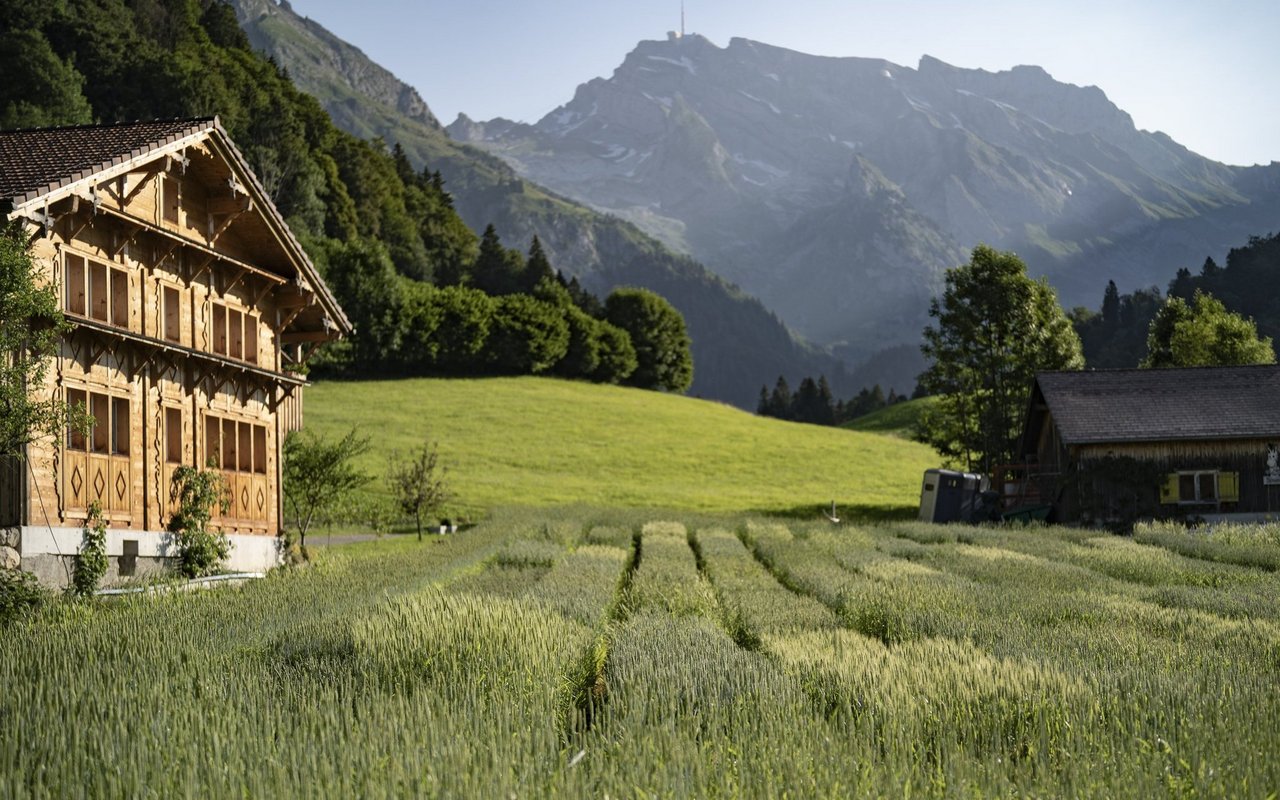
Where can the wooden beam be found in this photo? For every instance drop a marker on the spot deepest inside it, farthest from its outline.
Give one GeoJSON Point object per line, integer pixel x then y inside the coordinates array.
{"type": "Point", "coordinates": [148, 176]}
{"type": "Point", "coordinates": [215, 232]}
{"type": "Point", "coordinates": [262, 294]}
{"type": "Point", "coordinates": [196, 246]}
{"type": "Point", "coordinates": [240, 275]}
{"type": "Point", "coordinates": [304, 337]}
{"type": "Point", "coordinates": [220, 206]}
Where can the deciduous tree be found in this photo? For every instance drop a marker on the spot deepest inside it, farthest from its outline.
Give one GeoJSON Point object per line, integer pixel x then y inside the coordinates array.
{"type": "Point", "coordinates": [318, 474]}
{"type": "Point", "coordinates": [996, 327]}
{"type": "Point", "coordinates": [418, 482]}
{"type": "Point", "coordinates": [31, 326]}
{"type": "Point", "coordinates": [1203, 333]}
{"type": "Point", "coordinates": [658, 334]}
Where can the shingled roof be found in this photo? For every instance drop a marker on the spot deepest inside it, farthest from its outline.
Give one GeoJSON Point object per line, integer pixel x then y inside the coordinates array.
{"type": "Point", "coordinates": [1156, 405]}
{"type": "Point", "coordinates": [34, 162]}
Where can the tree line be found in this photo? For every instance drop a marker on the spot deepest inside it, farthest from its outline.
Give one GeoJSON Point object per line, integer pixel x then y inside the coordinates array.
{"type": "Point", "coordinates": [813, 402]}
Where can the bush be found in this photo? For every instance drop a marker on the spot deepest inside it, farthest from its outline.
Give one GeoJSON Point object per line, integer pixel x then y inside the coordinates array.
{"type": "Point", "coordinates": [197, 492]}
{"type": "Point", "coordinates": [91, 562]}
{"type": "Point", "coordinates": [20, 594]}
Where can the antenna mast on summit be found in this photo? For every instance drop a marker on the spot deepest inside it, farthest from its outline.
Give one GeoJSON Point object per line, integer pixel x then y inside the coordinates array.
{"type": "Point", "coordinates": [681, 19]}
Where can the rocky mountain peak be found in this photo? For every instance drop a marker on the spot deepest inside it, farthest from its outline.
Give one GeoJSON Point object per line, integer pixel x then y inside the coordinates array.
{"type": "Point", "coordinates": [344, 68]}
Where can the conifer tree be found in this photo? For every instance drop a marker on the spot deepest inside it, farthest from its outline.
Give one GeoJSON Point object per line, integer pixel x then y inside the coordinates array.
{"type": "Point", "coordinates": [1111, 305]}
{"type": "Point", "coordinates": [497, 269]}
{"type": "Point", "coordinates": [537, 267]}
{"type": "Point", "coordinates": [780, 400]}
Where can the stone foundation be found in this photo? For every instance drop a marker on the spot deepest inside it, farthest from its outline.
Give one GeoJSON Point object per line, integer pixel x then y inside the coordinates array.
{"type": "Point", "coordinates": [48, 553]}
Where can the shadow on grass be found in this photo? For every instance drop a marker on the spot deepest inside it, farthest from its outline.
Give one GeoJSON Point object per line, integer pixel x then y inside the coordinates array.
{"type": "Point", "coordinates": [848, 512]}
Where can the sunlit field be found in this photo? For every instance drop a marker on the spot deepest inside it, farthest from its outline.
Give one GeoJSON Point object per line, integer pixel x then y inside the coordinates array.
{"type": "Point", "coordinates": [632, 654]}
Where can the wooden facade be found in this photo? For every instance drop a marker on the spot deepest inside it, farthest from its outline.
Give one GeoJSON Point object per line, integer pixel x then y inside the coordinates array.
{"type": "Point", "coordinates": [1112, 446]}
{"type": "Point", "coordinates": [191, 305]}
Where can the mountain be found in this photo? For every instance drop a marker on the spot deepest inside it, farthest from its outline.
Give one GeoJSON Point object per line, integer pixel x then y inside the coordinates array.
{"type": "Point", "coordinates": [837, 189]}
{"type": "Point", "coordinates": [738, 344]}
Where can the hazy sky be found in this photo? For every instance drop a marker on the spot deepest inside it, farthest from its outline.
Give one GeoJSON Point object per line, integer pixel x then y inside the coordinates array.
{"type": "Point", "coordinates": [1206, 73]}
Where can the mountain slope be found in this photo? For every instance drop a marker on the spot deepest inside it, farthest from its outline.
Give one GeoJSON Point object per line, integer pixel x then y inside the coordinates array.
{"type": "Point", "coordinates": [738, 344]}
{"type": "Point", "coordinates": [746, 156]}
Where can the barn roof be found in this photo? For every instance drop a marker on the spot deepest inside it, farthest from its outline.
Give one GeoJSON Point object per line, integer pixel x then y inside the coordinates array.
{"type": "Point", "coordinates": [42, 165]}
{"type": "Point", "coordinates": [34, 162]}
{"type": "Point", "coordinates": [1153, 405]}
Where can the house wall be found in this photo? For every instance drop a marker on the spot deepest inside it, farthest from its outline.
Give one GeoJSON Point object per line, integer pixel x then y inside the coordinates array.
{"type": "Point", "coordinates": [164, 407]}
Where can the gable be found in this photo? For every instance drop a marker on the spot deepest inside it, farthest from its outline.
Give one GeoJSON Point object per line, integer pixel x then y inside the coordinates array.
{"type": "Point", "coordinates": [182, 179]}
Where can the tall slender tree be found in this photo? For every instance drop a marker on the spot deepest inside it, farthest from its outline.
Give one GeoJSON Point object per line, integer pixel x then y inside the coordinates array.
{"type": "Point", "coordinates": [996, 327]}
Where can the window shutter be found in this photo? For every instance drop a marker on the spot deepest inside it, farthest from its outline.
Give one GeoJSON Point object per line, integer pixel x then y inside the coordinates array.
{"type": "Point", "coordinates": [1229, 487]}
{"type": "Point", "coordinates": [1169, 489]}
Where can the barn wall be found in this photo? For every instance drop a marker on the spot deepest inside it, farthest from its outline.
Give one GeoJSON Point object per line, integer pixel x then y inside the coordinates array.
{"type": "Point", "coordinates": [1061, 479]}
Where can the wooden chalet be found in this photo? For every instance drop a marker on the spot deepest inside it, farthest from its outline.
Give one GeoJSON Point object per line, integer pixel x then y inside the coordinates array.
{"type": "Point", "coordinates": [1111, 446]}
{"type": "Point", "coordinates": [192, 307]}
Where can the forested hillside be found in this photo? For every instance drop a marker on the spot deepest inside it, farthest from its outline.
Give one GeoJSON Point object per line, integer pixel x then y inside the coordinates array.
{"type": "Point", "coordinates": [426, 295]}
{"type": "Point", "coordinates": [384, 232]}
{"type": "Point", "coordinates": [737, 342]}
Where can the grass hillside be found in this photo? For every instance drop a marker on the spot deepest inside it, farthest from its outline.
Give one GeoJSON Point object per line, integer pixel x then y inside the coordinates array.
{"type": "Point", "coordinates": [537, 441]}
{"type": "Point", "coordinates": [898, 419]}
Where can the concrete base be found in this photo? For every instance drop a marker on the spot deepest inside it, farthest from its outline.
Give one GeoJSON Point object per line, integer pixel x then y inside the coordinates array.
{"type": "Point", "coordinates": [48, 553]}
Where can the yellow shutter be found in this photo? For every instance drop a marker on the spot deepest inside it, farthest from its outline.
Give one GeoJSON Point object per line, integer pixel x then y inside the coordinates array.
{"type": "Point", "coordinates": [1229, 487]}
{"type": "Point", "coordinates": [1169, 489]}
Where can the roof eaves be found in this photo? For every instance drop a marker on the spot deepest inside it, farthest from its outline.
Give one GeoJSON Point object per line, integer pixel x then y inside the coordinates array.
{"type": "Point", "coordinates": [198, 126]}
{"type": "Point", "coordinates": [285, 233]}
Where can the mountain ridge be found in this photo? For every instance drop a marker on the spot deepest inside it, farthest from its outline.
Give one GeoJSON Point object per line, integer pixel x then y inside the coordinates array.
{"type": "Point", "coordinates": [768, 136]}
{"type": "Point", "coordinates": [738, 343]}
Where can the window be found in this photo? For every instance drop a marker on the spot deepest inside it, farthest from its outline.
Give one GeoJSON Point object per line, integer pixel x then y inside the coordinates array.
{"type": "Point", "coordinates": [246, 447]}
{"type": "Point", "coordinates": [110, 430]}
{"type": "Point", "coordinates": [173, 435]}
{"type": "Point", "coordinates": [1200, 486]}
{"type": "Point", "coordinates": [98, 291]}
{"type": "Point", "coordinates": [172, 314]}
{"type": "Point", "coordinates": [260, 449]}
{"type": "Point", "coordinates": [219, 329]}
{"type": "Point", "coordinates": [120, 298]}
{"type": "Point", "coordinates": [212, 441]}
{"type": "Point", "coordinates": [229, 442]}
{"type": "Point", "coordinates": [1207, 486]}
{"type": "Point", "coordinates": [235, 321]}
{"type": "Point", "coordinates": [120, 426]}
{"type": "Point", "coordinates": [236, 446]}
{"type": "Point", "coordinates": [100, 408]}
{"type": "Point", "coordinates": [75, 285]}
{"type": "Point", "coordinates": [251, 338]}
{"type": "Point", "coordinates": [235, 333]}
{"type": "Point", "coordinates": [78, 401]}
{"type": "Point", "coordinates": [170, 199]}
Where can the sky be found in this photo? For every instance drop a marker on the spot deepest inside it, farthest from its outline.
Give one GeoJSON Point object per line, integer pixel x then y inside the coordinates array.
{"type": "Point", "coordinates": [1206, 73]}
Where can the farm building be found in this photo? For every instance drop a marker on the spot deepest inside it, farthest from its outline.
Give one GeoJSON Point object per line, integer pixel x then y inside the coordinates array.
{"type": "Point", "coordinates": [1114, 445]}
{"type": "Point", "coordinates": [192, 306]}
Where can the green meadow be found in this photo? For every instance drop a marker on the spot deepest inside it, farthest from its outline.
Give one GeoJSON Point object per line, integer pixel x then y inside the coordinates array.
{"type": "Point", "coordinates": [898, 419]}
{"type": "Point", "coordinates": [544, 442]}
